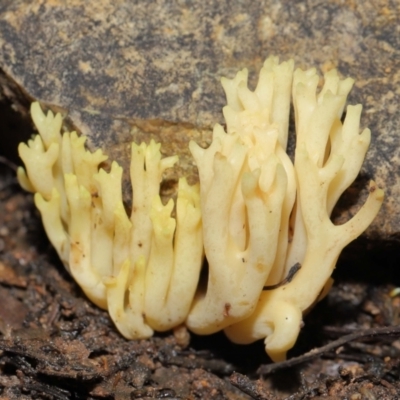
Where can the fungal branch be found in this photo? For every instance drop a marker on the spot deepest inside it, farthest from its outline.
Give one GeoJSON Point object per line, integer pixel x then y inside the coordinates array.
{"type": "Point", "coordinates": [241, 228]}
{"type": "Point", "coordinates": [115, 257]}
{"type": "Point", "coordinates": [328, 157]}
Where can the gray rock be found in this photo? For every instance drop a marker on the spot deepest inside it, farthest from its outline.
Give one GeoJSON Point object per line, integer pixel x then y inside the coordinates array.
{"type": "Point", "coordinates": [137, 70]}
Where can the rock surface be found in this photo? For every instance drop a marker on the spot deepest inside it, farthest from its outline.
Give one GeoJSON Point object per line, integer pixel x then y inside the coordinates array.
{"type": "Point", "coordinates": [137, 70]}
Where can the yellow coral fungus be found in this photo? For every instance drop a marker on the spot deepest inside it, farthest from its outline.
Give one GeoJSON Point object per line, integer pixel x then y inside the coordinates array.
{"type": "Point", "coordinates": [256, 212]}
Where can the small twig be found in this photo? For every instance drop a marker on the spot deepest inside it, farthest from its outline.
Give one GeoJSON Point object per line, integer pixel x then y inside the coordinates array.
{"type": "Point", "coordinates": [8, 163]}
{"type": "Point", "coordinates": [292, 272]}
{"type": "Point", "coordinates": [337, 331]}
{"type": "Point", "coordinates": [8, 182]}
{"type": "Point", "coordinates": [215, 365]}
{"type": "Point", "coordinates": [253, 389]}
{"type": "Point", "coordinates": [314, 353]}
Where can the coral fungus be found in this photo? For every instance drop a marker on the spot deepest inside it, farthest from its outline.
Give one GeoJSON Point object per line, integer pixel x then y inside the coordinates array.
{"type": "Point", "coordinates": [255, 214]}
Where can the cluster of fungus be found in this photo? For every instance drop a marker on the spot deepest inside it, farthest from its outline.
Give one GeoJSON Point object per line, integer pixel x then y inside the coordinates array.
{"type": "Point", "coordinates": [255, 213]}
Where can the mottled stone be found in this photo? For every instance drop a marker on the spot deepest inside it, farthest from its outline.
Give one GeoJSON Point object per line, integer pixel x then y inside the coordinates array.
{"type": "Point", "coordinates": [126, 70]}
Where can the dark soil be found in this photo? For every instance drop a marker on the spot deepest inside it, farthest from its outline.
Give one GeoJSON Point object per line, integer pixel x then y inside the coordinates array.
{"type": "Point", "coordinates": [54, 344]}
